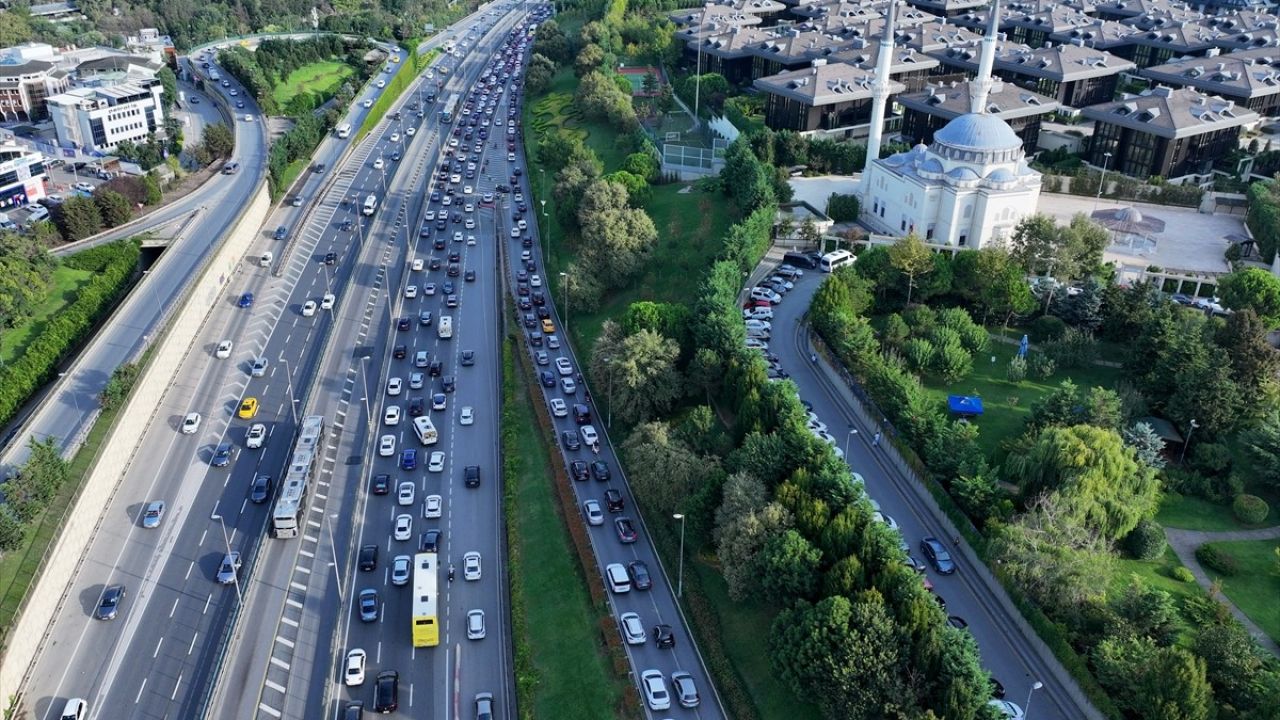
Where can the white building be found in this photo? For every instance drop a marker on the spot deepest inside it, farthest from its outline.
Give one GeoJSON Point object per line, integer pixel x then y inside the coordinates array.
{"type": "Point", "coordinates": [22, 178]}
{"type": "Point", "coordinates": [967, 190]}
{"type": "Point", "coordinates": [99, 118]}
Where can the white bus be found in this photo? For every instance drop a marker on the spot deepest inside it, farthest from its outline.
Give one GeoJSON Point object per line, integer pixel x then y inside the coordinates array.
{"type": "Point", "coordinates": [833, 261]}
{"type": "Point", "coordinates": [297, 480]}
{"type": "Point", "coordinates": [344, 130]}
{"type": "Point", "coordinates": [426, 431]}
{"type": "Point", "coordinates": [444, 328]}
{"type": "Point", "coordinates": [370, 204]}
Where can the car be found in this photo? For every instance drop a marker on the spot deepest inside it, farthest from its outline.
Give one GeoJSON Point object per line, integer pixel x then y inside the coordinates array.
{"type": "Point", "coordinates": [632, 628]}
{"type": "Point", "coordinates": [436, 462]}
{"type": "Point", "coordinates": [109, 604]}
{"type": "Point", "coordinates": [547, 379]}
{"type": "Point", "coordinates": [591, 509]}
{"type": "Point", "coordinates": [541, 358]}
{"type": "Point", "coordinates": [1008, 710]}
{"type": "Point", "coordinates": [429, 541]}
{"type": "Point", "coordinates": [224, 350]}
{"type": "Point", "coordinates": [466, 416]}
{"type": "Point", "coordinates": [404, 493]}
{"type": "Point", "coordinates": [391, 415]}
{"type": "Point", "coordinates": [416, 380]}
{"type": "Point", "coordinates": [570, 441]}
{"type": "Point", "coordinates": [957, 622]}
{"type": "Point", "coordinates": [639, 572]}
{"type": "Point", "coordinates": [386, 694]}
{"type": "Point", "coordinates": [260, 489]}
{"type": "Point", "coordinates": [387, 446]}
{"type": "Point", "coordinates": [937, 556]}
{"type": "Point", "coordinates": [559, 408]}
{"type": "Point", "coordinates": [401, 569]}
{"type": "Point", "coordinates": [421, 359]}
{"type": "Point", "coordinates": [654, 686]}
{"type": "Point", "coordinates": [248, 408]}
{"type": "Point", "coordinates": [663, 636]}
{"type": "Point", "coordinates": [410, 292]}
{"type": "Point", "coordinates": [468, 358]}
{"type": "Point", "coordinates": [259, 367]}
{"type": "Point", "coordinates": [600, 470]}
{"type": "Point", "coordinates": [353, 675]}
{"type": "Point", "coordinates": [246, 300]}
{"type": "Point", "coordinates": [471, 476]}
{"type": "Point", "coordinates": [578, 470]}
{"type": "Point", "coordinates": [353, 710]}
{"type": "Point", "coordinates": [568, 385]}
{"type": "Point", "coordinates": [402, 324]}
{"type": "Point", "coordinates": [394, 386]}
{"type": "Point", "coordinates": [910, 561]}
{"type": "Point", "coordinates": [221, 455]}
{"type": "Point", "coordinates": [368, 558]}
{"type": "Point", "coordinates": [368, 605]}
{"type": "Point", "coordinates": [281, 233]}
{"type": "Point", "coordinates": [548, 326]}
{"type": "Point", "coordinates": [484, 706]}
{"type": "Point", "coordinates": [152, 514]}
{"type": "Point", "coordinates": [433, 506]}
{"type": "Point", "coordinates": [256, 436]}
{"type": "Point", "coordinates": [403, 527]}
{"type": "Point", "coordinates": [626, 530]}
{"type": "Point", "coordinates": [471, 566]}
{"type": "Point", "coordinates": [686, 691]}
{"type": "Point", "coordinates": [191, 423]}
{"type": "Point", "coordinates": [229, 568]}
{"type": "Point", "coordinates": [475, 625]}
{"type": "Point", "coordinates": [553, 342]}
{"type": "Point", "coordinates": [563, 366]}
{"type": "Point", "coordinates": [74, 709]}
{"type": "Point", "coordinates": [613, 500]}
{"type": "Point", "coordinates": [589, 435]}
{"type": "Point", "coordinates": [378, 164]}
{"type": "Point", "coordinates": [417, 406]}
{"type": "Point", "coordinates": [381, 484]}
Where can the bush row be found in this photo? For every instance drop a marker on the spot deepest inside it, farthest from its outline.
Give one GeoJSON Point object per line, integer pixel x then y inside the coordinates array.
{"type": "Point", "coordinates": [525, 673]}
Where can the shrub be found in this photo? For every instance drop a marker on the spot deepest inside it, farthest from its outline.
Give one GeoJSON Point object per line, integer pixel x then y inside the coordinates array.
{"type": "Point", "coordinates": [1042, 366]}
{"type": "Point", "coordinates": [919, 353]}
{"type": "Point", "coordinates": [1146, 541]}
{"type": "Point", "coordinates": [952, 362]}
{"type": "Point", "coordinates": [1017, 371]}
{"type": "Point", "coordinates": [1217, 560]}
{"type": "Point", "coordinates": [1211, 459]}
{"type": "Point", "coordinates": [1250, 509]}
{"type": "Point", "coordinates": [1046, 328]}
{"type": "Point", "coordinates": [1182, 574]}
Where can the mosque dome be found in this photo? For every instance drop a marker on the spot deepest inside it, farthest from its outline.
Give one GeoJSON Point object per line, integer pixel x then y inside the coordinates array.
{"type": "Point", "coordinates": [978, 137]}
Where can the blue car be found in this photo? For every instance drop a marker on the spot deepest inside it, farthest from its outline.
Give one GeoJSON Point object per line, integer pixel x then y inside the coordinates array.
{"type": "Point", "coordinates": [937, 555]}
{"type": "Point", "coordinates": [221, 455]}
{"type": "Point", "coordinates": [246, 300]}
{"type": "Point", "coordinates": [408, 459]}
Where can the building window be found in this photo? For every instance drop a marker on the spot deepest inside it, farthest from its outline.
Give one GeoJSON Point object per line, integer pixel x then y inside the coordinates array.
{"type": "Point", "coordinates": [903, 225]}
{"type": "Point", "coordinates": [964, 239]}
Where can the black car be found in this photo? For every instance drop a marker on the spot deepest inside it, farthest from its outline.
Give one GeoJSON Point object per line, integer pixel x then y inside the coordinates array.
{"type": "Point", "coordinates": [578, 470]}
{"type": "Point", "coordinates": [539, 298]}
{"type": "Point", "coordinates": [439, 245]}
{"type": "Point", "coordinates": [663, 636]}
{"type": "Point", "coordinates": [639, 573]}
{"type": "Point", "coordinates": [468, 357]}
{"type": "Point", "coordinates": [613, 501]}
{"type": "Point", "coordinates": [802, 260]}
{"type": "Point", "coordinates": [260, 490]}
{"type": "Point", "coordinates": [937, 556]}
{"type": "Point", "coordinates": [435, 264]}
{"type": "Point", "coordinates": [447, 287]}
{"type": "Point", "coordinates": [429, 541]}
{"type": "Point", "coordinates": [455, 256]}
{"type": "Point", "coordinates": [454, 270]}
{"type": "Point", "coordinates": [386, 695]}
{"type": "Point", "coordinates": [381, 484]}
{"type": "Point", "coordinates": [400, 352]}
{"type": "Point", "coordinates": [470, 276]}
{"type": "Point", "coordinates": [570, 440]}
{"type": "Point", "coordinates": [368, 558]}
{"type": "Point", "coordinates": [330, 258]}
{"type": "Point", "coordinates": [417, 406]}
{"type": "Point", "coordinates": [626, 530]}
{"type": "Point", "coordinates": [535, 339]}
{"type": "Point", "coordinates": [581, 413]}
{"type": "Point", "coordinates": [957, 622]}
{"type": "Point", "coordinates": [435, 368]}
{"type": "Point", "coordinates": [547, 378]}
{"type": "Point", "coordinates": [600, 471]}
{"type": "Point", "coordinates": [543, 312]}
{"type": "Point", "coordinates": [530, 321]}
{"type": "Point", "coordinates": [471, 476]}
{"type": "Point", "coordinates": [353, 711]}
{"type": "Point", "coordinates": [109, 605]}
{"type": "Point", "coordinates": [448, 383]}
{"type": "Point", "coordinates": [402, 324]}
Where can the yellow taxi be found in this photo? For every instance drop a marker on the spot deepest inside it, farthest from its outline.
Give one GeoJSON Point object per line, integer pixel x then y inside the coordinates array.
{"type": "Point", "coordinates": [548, 327]}
{"type": "Point", "coordinates": [249, 408]}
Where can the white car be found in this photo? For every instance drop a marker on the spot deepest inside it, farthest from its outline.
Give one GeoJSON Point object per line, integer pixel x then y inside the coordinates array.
{"type": "Point", "coordinates": [395, 386]}
{"type": "Point", "coordinates": [391, 416]}
{"type": "Point", "coordinates": [632, 628]}
{"type": "Point", "coordinates": [416, 265]}
{"type": "Point", "coordinates": [563, 366]}
{"type": "Point", "coordinates": [433, 506]}
{"type": "Point", "coordinates": [589, 435]}
{"type": "Point", "coordinates": [439, 401]}
{"type": "Point", "coordinates": [1007, 709]}
{"type": "Point", "coordinates": [416, 380]}
{"type": "Point", "coordinates": [457, 237]}
{"type": "Point", "coordinates": [471, 239]}
{"type": "Point", "coordinates": [404, 527]}
{"type": "Point", "coordinates": [368, 103]}
{"type": "Point", "coordinates": [886, 519]}
{"type": "Point", "coordinates": [411, 131]}
{"type": "Point", "coordinates": [410, 292]}
{"type": "Point", "coordinates": [224, 349]}
{"type": "Point", "coordinates": [471, 566]}
{"type": "Point", "coordinates": [387, 446]}
{"type": "Point", "coordinates": [436, 462]}
{"type": "Point", "coordinates": [467, 190]}
{"type": "Point", "coordinates": [595, 515]}
{"type": "Point", "coordinates": [404, 494]}
{"type": "Point", "coordinates": [655, 690]}
{"type": "Point", "coordinates": [191, 424]}
{"type": "Point", "coordinates": [354, 673]}
{"type": "Point", "coordinates": [469, 207]}
{"type": "Point", "coordinates": [378, 164]}
{"type": "Point", "coordinates": [326, 302]}
{"type": "Point", "coordinates": [470, 224]}
{"type": "Point", "coordinates": [466, 417]}
{"type": "Point", "coordinates": [401, 568]}
{"type": "Point", "coordinates": [535, 280]}
{"type": "Point", "coordinates": [568, 385]}
{"type": "Point", "coordinates": [429, 289]}
{"type": "Point", "coordinates": [559, 408]}
{"type": "Point", "coordinates": [309, 308]}
{"type": "Point", "coordinates": [475, 625]}
{"type": "Point", "coordinates": [395, 136]}
{"type": "Point", "coordinates": [256, 436]}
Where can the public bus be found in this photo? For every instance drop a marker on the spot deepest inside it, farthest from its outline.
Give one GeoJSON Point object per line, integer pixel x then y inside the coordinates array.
{"type": "Point", "coordinates": [446, 115]}
{"type": "Point", "coordinates": [835, 260]}
{"type": "Point", "coordinates": [297, 479]}
{"type": "Point", "coordinates": [425, 430]}
{"type": "Point", "coordinates": [370, 204]}
{"type": "Point", "coordinates": [426, 578]}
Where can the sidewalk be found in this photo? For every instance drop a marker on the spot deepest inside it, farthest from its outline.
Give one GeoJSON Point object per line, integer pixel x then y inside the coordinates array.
{"type": "Point", "coordinates": [1185, 542]}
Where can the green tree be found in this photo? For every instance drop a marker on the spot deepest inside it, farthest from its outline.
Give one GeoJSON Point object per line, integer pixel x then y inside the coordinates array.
{"type": "Point", "coordinates": [1254, 363]}
{"type": "Point", "coordinates": [645, 379]}
{"type": "Point", "coordinates": [1146, 611]}
{"type": "Point", "coordinates": [650, 83]}
{"type": "Point", "coordinates": [1253, 289]}
{"type": "Point", "coordinates": [745, 178]}
{"type": "Point", "coordinates": [169, 82]}
{"type": "Point", "coordinates": [637, 187]}
{"type": "Point", "coordinates": [551, 41]}
{"type": "Point", "coordinates": [538, 75]}
{"type": "Point", "coordinates": [910, 257]}
{"type": "Point", "coordinates": [789, 567]}
{"type": "Point", "coordinates": [113, 206]}
{"type": "Point", "coordinates": [218, 140]}
{"type": "Point", "coordinates": [1154, 682]}
{"type": "Point", "coordinates": [80, 218]}
{"type": "Point", "coordinates": [641, 164]}
{"type": "Point", "coordinates": [589, 59]}
{"type": "Point", "coordinates": [744, 522]}
{"type": "Point", "coordinates": [662, 470]}
{"type": "Point", "coordinates": [153, 194]}
{"type": "Point", "coordinates": [1261, 445]}
{"type": "Point", "coordinates": [1147, 445]}
{"type": "Point", "coordinates": [616, 238]}
{"type": "Point", "coordinates": [13, 533]}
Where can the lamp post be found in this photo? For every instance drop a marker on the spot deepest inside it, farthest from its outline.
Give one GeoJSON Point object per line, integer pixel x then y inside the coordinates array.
{"type": "Point", "coordinates": [1026, 709]}
{"type": "Point", "coordinates": [1186, 443]}
{"type": "Point", "coordinates": [364, 375]}
{"type": "Point", "coordinates": [546, 233]}
{"type": "Point", "coordinates": [333, 549]}
{"type": "Point", "coordinates": [852, 431]}
{"type": "Point", "coordinates": [680, 575]}
{"type": "Point", "coordinates": [235, 577]}
{"type": "Point", "coordinates": [1102, 181]}
{"type": "Point", "coordinates": [293, 402]}
{"type": "Point", "coordinates": [564, 282]}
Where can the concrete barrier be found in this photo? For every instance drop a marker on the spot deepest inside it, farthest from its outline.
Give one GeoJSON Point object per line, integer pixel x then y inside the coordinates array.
{"type": "Point", "coordinates": [172, 348]}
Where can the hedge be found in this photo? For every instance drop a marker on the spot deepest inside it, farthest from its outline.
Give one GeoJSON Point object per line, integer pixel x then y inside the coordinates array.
{"type": "Point", "coordinates": [1250, 509]}
{"type": "Point", "coordinates": [113, 266]}
{"type": "Point", "coordinates": [1217, 560]}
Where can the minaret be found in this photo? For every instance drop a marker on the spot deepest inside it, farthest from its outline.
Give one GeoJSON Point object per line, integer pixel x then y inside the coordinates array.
{"type": "Point", "coordinates": [980, 86]}
{"type": "Point", "coordinates": [880, 91]}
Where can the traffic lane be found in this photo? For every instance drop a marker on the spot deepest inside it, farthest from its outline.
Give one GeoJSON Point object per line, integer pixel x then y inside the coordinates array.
{"type": "Point", "coordinates": [1004, 653]}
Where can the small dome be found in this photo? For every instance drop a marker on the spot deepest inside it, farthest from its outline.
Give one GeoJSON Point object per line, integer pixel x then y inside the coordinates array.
{"type": "Point", "coordinates": [895, 160]}
{"type": "Point", "coordinates": [978, 131]}
{"type": "Point", "coordinates": [962, 173]}
{"type": "Point", "coordinates": [1002, 175]}
{"type": "Point", "coordinates": [932, 165]}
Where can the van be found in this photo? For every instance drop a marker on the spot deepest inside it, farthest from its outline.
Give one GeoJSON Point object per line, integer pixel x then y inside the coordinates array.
{"type": "Point", "coordinates": [619, 580]}
{"type": "Point", "coordinates": [758, 313]}
{"type": "Point", "coordinates": [265, 260]}
{"type": "Point", "coordinates": [763, 293]}
{"type": "Point", "coordinates": [444, 329]}
{"type": "Point", "coordinates": [835, 260]}
{"type": "Point", "coordinates": [37, 213]}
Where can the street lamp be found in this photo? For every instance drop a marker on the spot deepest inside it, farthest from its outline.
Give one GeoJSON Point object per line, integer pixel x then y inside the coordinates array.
{"type": "Point", "coordinates": [680, 576]}
{"type": "Point", "coordinates": [564, 282]}
{"type": "Point", "coordinates": [852, 431]}
{"type": "Point", "coordinates": [1186, 443]}
{"type": "Point", "coordinates": [235, 576]}
{"type": "Point", "coordinates": [546, 234]}
{"type": "Point", "coordinates": [333, 549]}
{"type": "Point", "coordinates": [1026, 709]}
{"type": "Point", "coordinates": [364, 375]}
{"type": "Point", "coordinates": [1102, 181]}
{"type": "Point", "coordinates": [293, 402]}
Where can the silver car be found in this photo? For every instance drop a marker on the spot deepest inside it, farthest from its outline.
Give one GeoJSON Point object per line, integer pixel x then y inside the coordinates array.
{"type": "Point", "coordinates": [153, 514]}
{"type": "Point", "coordinates": [229, 570]}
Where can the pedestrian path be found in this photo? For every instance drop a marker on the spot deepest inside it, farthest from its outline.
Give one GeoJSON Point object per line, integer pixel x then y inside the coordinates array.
{"type": "Point", "coordinates": [1185, 542]}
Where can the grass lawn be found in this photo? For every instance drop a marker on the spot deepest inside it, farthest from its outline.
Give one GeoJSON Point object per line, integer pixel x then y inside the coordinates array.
{"type": "Point", "coordinates": [573, 680]}
{"type": "Point", "coordinates": [1193, 513]}
{"type": "Point", "coordinates": [555, 110]}
{"type": "Point", "coordinates": [1007, 405]}
{"type": "Point", "coordinates": [66, 284]}
{"type": "Point", "coordinates": [1255, 589]}
{"type": "Point", "coordinates": [1157, 574]}
{"type": "Point", "coordinates": [320, 77]}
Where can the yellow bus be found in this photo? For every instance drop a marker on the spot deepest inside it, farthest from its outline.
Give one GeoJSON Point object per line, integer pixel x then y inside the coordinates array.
{"type": "Point", "coordinates": [426, 625]}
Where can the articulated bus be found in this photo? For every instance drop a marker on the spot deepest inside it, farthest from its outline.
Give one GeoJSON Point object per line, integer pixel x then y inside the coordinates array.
{"type": "Point", "coordinates": [287, 513]}
{"type": "Point", "coordinates": [426, 577]}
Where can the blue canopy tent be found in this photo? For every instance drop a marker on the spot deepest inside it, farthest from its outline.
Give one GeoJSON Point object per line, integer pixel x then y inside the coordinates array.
{"type": "Point", "coordinates": [964, 405]}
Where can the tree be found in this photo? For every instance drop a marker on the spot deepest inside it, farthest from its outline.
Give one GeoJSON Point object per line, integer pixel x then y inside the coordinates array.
{"type": "Point", "coordinates": [1148, 612]}
{"type": "Point", "coordinates": [788, 567]}
{"type": "Point", "coordinates": [1236, 667]}
{"type": "Point", "coordinates": [1147, 445]}
{"type": "Point", "coordinates": [910, 257]}
{"type": "Point", "coordinates": [590, 58]}
{"type": "Point", "coordinates": [218, 140]}
{"type": "Point", "coordinates": [1253, 289]}
{"type": "Point", "coordinates": [1154, 682]}
{"type": "Point", "coordinates": [643, 375]}
{"type": "Point", "coordinates": [745, 178]}
{"type": "Point", "coordinates": [616, 239]}
{"type": "Point", "coordinates": [1261, 445]}
{"type": "Point", "coordinates": [666, 99]}
{"type": "Point", "coordinates": [538, 75]}
{"type": "Point", "coordinates": [1254, 363]}
{"type": "Point", "coordinates": [641, 164]}
{"type": "Point", "coordinates": [113, 206]}
{"type": "Point", "coordinates": [843, 208]}
{"type": "Point", "coordinates": [79, 218]}
{"type": "Point", "coordinates": [551, 41]}
{"type": "Point", "coordinates": [744, 522]}
{"type": "Point", "coordinates": [1205, 393]}
{"type": "Point", "coordinates": [12, 531]}
{"type": "Point", "coordinates": [169, 82]}
{"type": "Point", "coordinates": [650, 83]}
{"type": "Point", "coordinates": [1060, 564]}
{"type": "Point", "coordinates": [1035, 243]}
{"type": "Point", "coordinates": [636, 186]}
{"type": "Point", "coordinates": [152, 185]}
{"type": "Point", "coordinates": [663, 472]}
